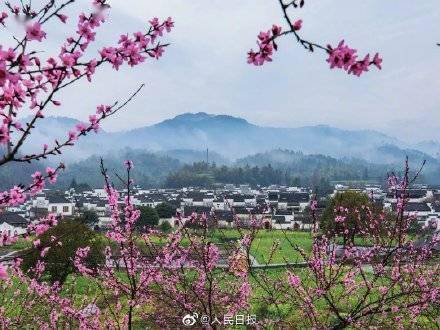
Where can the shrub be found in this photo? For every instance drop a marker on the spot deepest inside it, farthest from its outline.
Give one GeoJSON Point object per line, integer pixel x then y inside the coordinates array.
{"type": "Point", "coordinates": [165, 226]}
{"type": "Point", "coordinates": [60, 243]}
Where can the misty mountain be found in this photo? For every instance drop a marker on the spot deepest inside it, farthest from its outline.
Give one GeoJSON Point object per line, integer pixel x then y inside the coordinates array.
{"type": "Point", "coordinates": [14, 174]}
{"type": "Point", "coordinates": [235, 137]}
{"type": "Point", "coordinates": [188, 156]}
{"type": "Point", "coordinates": [150, 169]}
{"type": "Point", "coordinates": [56, 128]}
{"type": "Point", "coordinates": [158, 169]}
{"type": "Point", "coordinates": [277, 166]}
{"type": "Point", "coordinates": [230, 138]}
{"type": "Point", "coordinates": [432, 148]}
{"type": "Point", "coordinates": [306, 166]}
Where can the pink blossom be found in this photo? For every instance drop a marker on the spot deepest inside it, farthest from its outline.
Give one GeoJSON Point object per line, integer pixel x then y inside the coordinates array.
{"type": "Point", "coordinates": [44, 251]}
{"type": "Point", "coordinates": [294, 280]}
{"type": "Point", "coordinates": [342, 57]}
{"type": "Point", "coordinates": [94, 124]}
{"type": "Point", "coordinates": [340, 219]}
{"type": "Point", "coordinates": [90, 69]}
{"type": "Point", "coordinates": [34, 32]}
{"type": "Point", "coordinates": [3, 18]}
{"type": "Point", "coordinates": [128, 164]}
{"type": "Point", "coordinates": [103, 109]}
{"type": "Point", "coordinates": [360, 66]}
{"type": "Point", "coordinates": [276, 30]}
{"type": "Point", "coordinates": [41, 228]}
{"type": "Point", "coordinates": [68, 59]}
{"type": "Point", "coordinates": [169, 24]}
{"type": "Point", "coordinates": [52, 175]}
{"type": "Point", "coordinates": [80, 255]}
{"type": "Point", "coordinates": [297, 25]}
{"type": "Point", "coordinates": [383, 290]}
{"type": "Point", "coordinates": [377, 61]}
{"type": "Point", "coordinates": [38, 182]}
{"type": "Point", "coordinates": [266, 47]}
{"type": "Point", "coordinates": [81, 127]}
{"type": "Point", "coordinates": [4, 74]}
{"type": "Point", "coordinates": [3, 272]}
{"type": "Point", "coordinates": [158, 52]}
{"type": "Point", "coordinates": [157, 28]}
{"type": "Point", "coordinates": [16, 196]}
{"type": "Point", "coordinates": [72, 136]}
{"type": "Point", "coordinates": [62, 17]}
{"type": "Point", "coordinates": [4, 134]}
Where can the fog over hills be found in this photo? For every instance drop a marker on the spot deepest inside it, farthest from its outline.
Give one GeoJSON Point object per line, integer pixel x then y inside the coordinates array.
{"type": "Point", "coordinates": [232, 138]}
{"type": "Point", "coordinates": [166, 147]}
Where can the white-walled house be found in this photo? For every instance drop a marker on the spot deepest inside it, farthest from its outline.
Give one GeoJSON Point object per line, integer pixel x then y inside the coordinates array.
{"type": "Point", "coordinates": [12, 223]}
{"type": "Point", "coordinates": [60, 205]}
{"type": "Point", "coordinates": [414, 196]}
{"type": "Point", "coordinates": [219, 204]}
{"type": "Point", "coordinates": [280, 222]}
{"type": "Point", "coordinates": [55, 204]}
{"type": "Point", "coordinates": [101, 193]}
{"type": "Point", "coordinates": [99, 206]}
{"type": "Point", "coordinates": [421, 211]}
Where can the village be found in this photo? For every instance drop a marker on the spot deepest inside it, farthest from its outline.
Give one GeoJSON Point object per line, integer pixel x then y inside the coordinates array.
{"type": "Point", "coordinates": [278, 207]}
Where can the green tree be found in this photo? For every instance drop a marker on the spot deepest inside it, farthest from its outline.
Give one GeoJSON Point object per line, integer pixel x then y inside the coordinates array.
{"type": "Point", "coordinates": [165, 226]}
{"type": "Point", "coordinates": [415, 227]}
{"type": "Point", "coordinates": [89, 218]}
{"type": "Point", "coordinates": [63, 241]}
{"type": "Point", "coordinates": [165, 210]}
{"type": "Point", "coordinates": [356, 217]}
{"type": "Point", "coordinates": [148, 218]}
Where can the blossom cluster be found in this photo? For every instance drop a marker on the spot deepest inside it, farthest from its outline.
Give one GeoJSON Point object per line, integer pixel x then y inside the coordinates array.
{"type": "Point", "coordinates": [18, 194]}
{"type": "Point", "coordinates": [341, 57]}
{"type": "Point", "coordinates": [266, 44]}
{"type": "Point", "coordinates": [28, 79]}
{"type": "Point", "coordinates": [345, 58]}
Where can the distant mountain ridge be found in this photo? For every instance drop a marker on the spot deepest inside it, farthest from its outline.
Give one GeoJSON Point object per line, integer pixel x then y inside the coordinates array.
{"type": "Point", "coordinates": [202, 119]}
{"type": "Point", "coordinates": [233, 138]}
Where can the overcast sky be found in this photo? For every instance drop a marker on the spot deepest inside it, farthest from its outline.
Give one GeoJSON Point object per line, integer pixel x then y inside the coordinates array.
{"type": "Point", "coordinates": [205, 68]}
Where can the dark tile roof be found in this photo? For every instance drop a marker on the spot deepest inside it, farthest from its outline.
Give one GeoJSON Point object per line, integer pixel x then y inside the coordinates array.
{"type": "Point", "coordinates": [188, 210]}
{"type": "Point", "coordinates": [412, 193]}
{"type": "Point", "coordinates": [14, 219]}
{"type": "Point", "coordinates": [436, 207]}
{"type": "Point", "coordinates": [304, 218]}
{"type": "Point", "coordinates": [196, 195]}
{"type": "Point", "coordinates": [238, 198]}
{"type": "Point", "coordinates": [279, 219]}
{"type": "Point", "coordinates": [223, 215]}
{"type": "Point", "coordinates": [144, 199]}
{"type": "Point", "coordinates": [414, 207]}
{"type": "Point", "coordinates": [57, 199]}
{"type": "Point", "coordinates": [284, 212]}
{"type": "Point", "coordinates": [241, 210]}
{"type": "Point", "coordinates": [101, 203]}
{"type": "Point", "coordinates": [272, 196]}
{"type": "Point", "coordinates": [299, 197]}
